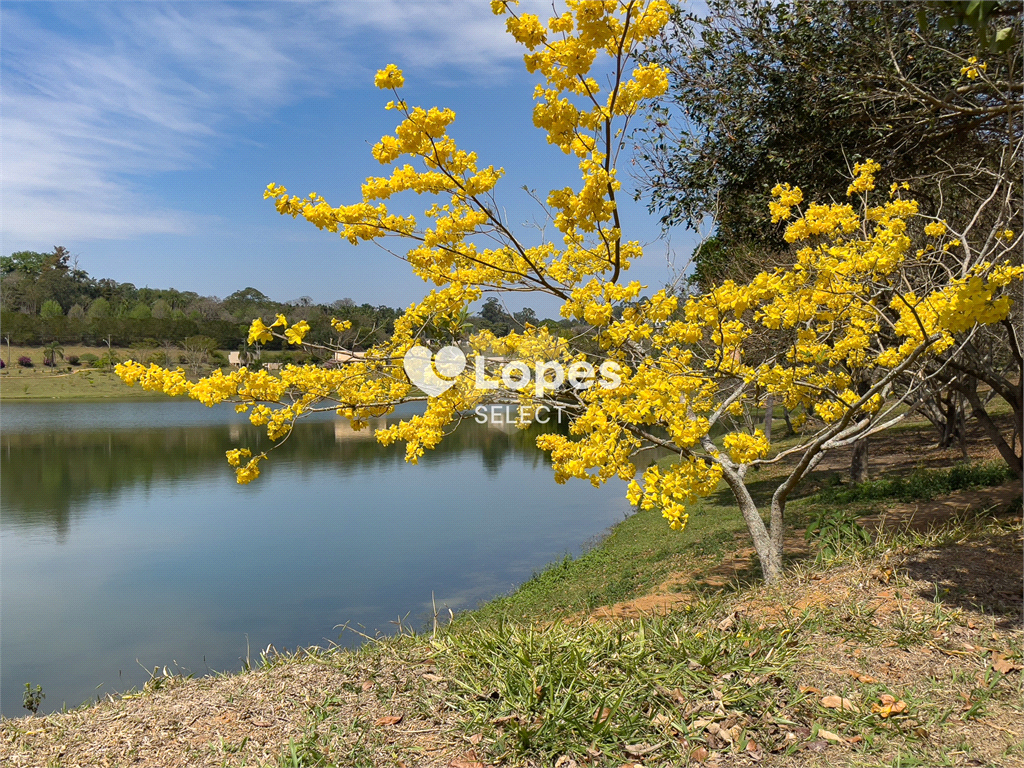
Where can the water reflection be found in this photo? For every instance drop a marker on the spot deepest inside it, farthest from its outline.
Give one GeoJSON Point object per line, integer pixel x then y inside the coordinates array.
{"type": "Point", "coordinates": [126, 538]}
{"type": "Point", "coordinates": [49, 477]}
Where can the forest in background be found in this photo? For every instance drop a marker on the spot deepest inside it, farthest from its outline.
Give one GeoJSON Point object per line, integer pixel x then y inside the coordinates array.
{"type": "Point", "coordinates": [46, 298]}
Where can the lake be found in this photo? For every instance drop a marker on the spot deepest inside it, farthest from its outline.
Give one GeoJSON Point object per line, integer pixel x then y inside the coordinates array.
{"type": "Point", "coordinates": [127, 545]}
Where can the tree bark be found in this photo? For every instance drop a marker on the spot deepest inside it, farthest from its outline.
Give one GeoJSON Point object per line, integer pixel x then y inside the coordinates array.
{"type": "Point", "coordinates": [768, 552]}
{"type": "Point", "coordinates": [859, 463]}
{"type": "Point", "coordinates": [769, 413]}
{"type": "Point", "coordinates": [789, 424]}
{"type": "Point", "coordinates": [1015, 462]}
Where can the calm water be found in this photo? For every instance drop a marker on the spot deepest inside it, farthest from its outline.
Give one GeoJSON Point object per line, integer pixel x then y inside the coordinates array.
{"type": "Point", "coordinates": [127, 544]}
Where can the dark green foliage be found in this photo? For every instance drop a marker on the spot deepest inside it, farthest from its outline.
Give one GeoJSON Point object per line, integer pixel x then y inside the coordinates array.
{"type": "Point", "coordinates": [921, 484]}
{"type": "Point", "coordinates": [33, 698]}
{"type": "Point", "coordinates": [763, 92]}
{"type": "Point", "coordinates": [836, 531]}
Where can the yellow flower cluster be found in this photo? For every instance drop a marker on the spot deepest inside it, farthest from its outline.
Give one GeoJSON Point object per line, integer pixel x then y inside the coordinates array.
{"type": "Point", "coordinates": [863, 177]}
{"type": "Point", "coordinates": [784, 198]}
{"type": "Point", "coordinates": [389, 77]}
{"type": "Point", "coordinates": [670, 491]}
{"type": "Point", "coordinates": [973, 69]}
{"type": "Point", "coordinates": [743, 448]}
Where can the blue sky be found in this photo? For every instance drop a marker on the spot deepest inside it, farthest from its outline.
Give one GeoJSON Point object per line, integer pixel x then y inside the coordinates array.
{"type": "Point", "coordinates": [141, 136]}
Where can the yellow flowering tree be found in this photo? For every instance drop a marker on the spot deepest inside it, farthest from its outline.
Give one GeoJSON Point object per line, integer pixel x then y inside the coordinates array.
{"type": "Point", "coordinates": [685, 374]}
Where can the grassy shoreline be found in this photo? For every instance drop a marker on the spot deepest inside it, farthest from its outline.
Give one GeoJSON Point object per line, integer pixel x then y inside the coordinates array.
{"type": "Point", "coordinates": [748, 677]}
{"type": "Point", "coordinates": [653, 647]}
{"type": "Point", "coordinates": [64, 382]}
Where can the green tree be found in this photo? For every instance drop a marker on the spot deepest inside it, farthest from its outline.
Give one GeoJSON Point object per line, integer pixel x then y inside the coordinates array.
{"type": "Point", "coordinates": [51, 353]}
{"type": "Point", "coordinates": [50, 310]}
{"type": "Point", "coordinates": [99, 308]}
{"type": "Point", "coordinates": [763, 92]}
{"type": "Point", "coordinates": [27, 262]}
{"type": "Point", "coordinates": [161, 309]}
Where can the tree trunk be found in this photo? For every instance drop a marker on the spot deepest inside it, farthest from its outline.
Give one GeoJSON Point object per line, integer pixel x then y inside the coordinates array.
{"type": "Point", "coordinates": [859, 464]}
{"type": "Point", "coordinates": [769, 552]}
{"type": "Point", "coordinates": [769, 413]}
{"type": "Point", "coordinates": [1005, 450]}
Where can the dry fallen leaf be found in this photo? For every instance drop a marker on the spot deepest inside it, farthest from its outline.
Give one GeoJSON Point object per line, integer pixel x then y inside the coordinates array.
{"type": "Point", "coordinates": [808, 689]}
{"type": "Point", "coordinates": [476, 738]}
{"type": "Point", "coordinates": [675, 694]}
{"type": "Point", "coordinates": [639, 750]}
{"type": "Point", "coordinates": [888, 706]}
{"type": "Point", "coordinates": [389, 720]}
{"type": "Point", "coordinates": [465, 764]}
{"type": "Point", "coordinates": [823, 734]}
{"type": "Point", "coordinates": [367, 685]}
{"type": "Point", "coordinates": [727, 623]}
{"type": "Point", "coordinates": [699, 755]}
{"type": "Point", "coordinates": [661, 720]}
{"type": "Point", "coordinates": [837, 702]}
{"type": "Point", "coordinates": [602, 715]}
{"type": "Point", "coordinates": [862, 677]}
{"type": "Point", "coordinates": [1003, 665]}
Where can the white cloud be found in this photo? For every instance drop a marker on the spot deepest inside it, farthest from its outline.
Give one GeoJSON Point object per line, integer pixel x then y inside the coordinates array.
{"type": "Point", "coordinates": [100, 96]}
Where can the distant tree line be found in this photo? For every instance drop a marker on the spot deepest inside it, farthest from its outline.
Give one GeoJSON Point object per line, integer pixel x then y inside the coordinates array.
{"type": "Point", "coordinates": [45, 297]}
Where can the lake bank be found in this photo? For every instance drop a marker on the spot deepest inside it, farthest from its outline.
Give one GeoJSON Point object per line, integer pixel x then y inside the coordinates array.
{"type": "Point", "coordinates": [748, 676]}
{"type": "Point", "coordinates": [527, 677]}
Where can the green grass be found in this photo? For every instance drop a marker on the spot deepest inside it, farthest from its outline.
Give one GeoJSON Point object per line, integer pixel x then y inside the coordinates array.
{"type": "Point", "coordinates": [662, 687]}
{"type": "Point", "coordinates": [588, 690]}
{"type": "Point", "coordinates": [81, 384]}
{"type": "Point", "coordinates": [639, 553]}
{"type": "Point", "coordinates": [921, 484]}
{"type": "Point", "coordinates": [633, 559]}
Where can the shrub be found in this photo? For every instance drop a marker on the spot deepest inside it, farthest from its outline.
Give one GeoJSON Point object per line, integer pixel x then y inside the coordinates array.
{"type": "Point", "coordinates": [2, 365]}
{"type": "Point", "coordinates": [72, 359]}
{"type": "Point", "coordinates": [109, 360]}
{"type": "Point", "coordinates": [89, 359]}
{"type": "Point", "coordinates": [49, 362]}
{"type": "Point", "coordinates": [25, 361]}
{"type": "Point", "coordinates": [920, 484]}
